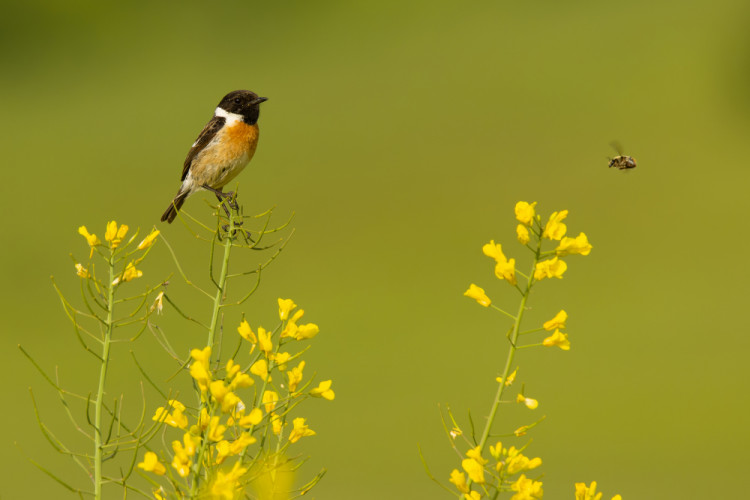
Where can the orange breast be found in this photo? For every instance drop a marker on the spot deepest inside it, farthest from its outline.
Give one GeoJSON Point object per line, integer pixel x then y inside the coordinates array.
{"type": "Point", "coordinates": [226, 156]}
{"type": "Point", "coordinates": [242, 135]}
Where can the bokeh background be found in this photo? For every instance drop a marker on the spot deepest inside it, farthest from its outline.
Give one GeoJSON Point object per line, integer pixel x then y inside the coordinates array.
{"type": "Point", "coordinates": [401, 134]}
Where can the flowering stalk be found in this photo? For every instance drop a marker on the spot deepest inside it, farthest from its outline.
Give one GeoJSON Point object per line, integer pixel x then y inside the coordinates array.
{"type": "Point", "coordinates": [513, 339]}
{"type": "Point", "coordinates": [231, 426]}
{"type": "Point", "coordinates": [97, 324]}
{"type": "Point", "coordinates": [485, 481]}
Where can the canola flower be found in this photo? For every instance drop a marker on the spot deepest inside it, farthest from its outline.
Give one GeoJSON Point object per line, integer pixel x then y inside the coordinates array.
{"type": "Point", "coordinates": [510, 469]}
{"type": "Point", "coordinates": [97, 326]}
{"type": "Point", "coordinates": [222, 441]}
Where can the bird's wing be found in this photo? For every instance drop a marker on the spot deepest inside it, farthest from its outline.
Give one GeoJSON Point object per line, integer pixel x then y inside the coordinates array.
{"type": "Point", "coordinates": [205, 137]}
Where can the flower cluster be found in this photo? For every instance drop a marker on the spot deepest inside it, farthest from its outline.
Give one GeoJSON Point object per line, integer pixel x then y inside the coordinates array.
{"type": "Point", "coordinates": [114, 235]}
{"type": "Point", "coordinates": [547, 264]}
{"type": "Point", "coordinates": [508, 462]}
{"type": "Point", "coordinates": [231, 419]}
{"type": "Point", "coordinates": [509, 470]}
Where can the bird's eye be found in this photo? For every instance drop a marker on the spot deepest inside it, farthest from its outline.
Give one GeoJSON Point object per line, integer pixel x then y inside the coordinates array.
{"type": "Point", "coordinates": [236, 100]}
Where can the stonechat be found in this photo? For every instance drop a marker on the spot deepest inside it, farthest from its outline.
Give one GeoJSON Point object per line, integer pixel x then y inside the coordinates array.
{"type": "Point", "coordinates": [224, 147]}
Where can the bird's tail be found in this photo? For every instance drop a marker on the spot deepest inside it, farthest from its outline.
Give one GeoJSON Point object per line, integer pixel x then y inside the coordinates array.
{"type": "Point", "coordinates": [171, 211]}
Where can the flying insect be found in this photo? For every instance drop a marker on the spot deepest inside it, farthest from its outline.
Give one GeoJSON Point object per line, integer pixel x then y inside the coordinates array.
{"type": "Point", "coordinates": [621, 161]}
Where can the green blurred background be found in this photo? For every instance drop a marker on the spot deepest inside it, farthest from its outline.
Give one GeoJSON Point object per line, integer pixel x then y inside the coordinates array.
{"type": "Point", "coordinates": [402, 134]}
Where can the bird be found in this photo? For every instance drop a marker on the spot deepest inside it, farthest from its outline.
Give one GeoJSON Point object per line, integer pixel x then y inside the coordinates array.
{"type": "Point", "coordinates": [223, 148]}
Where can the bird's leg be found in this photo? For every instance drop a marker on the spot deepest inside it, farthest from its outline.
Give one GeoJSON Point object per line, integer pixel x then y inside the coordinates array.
{"type": "Point", "coordinates": [221, 196]}
{"type": "Point", "coordinates": [229, 195]}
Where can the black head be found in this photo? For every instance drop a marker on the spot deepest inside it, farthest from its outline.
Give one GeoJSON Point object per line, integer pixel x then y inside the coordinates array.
{"type": "Point", "coordinates": [243, 102]}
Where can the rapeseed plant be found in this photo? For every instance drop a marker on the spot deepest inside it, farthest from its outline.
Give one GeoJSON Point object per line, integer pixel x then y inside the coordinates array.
{"type": "Point", "coordinates": [232, 437]}
{"type": "Point", "coordinates": [509, 470]}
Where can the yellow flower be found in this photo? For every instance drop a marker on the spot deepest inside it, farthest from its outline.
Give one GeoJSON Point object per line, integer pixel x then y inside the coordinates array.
{"type": "Point", "coordinates": [241, 380]}
{"type": "Point", "coordinates": [459, 480]}
{"type": "Point", "coordinates": [182, 455]}
{"type": "Point", "coordinates": [82, 271]}
{"type": "Point", "coordinates": [519, 462]}
{"type": "Point", "coordinates": [552, 268]}
{"type": "Point", "coordinates": [190, 443]}
{"type": "Point", "coordinates": [242, 442]}
{"type": "Point", "coordinates": [578, 245]}
{"type": "Point", "coordinates": [228, 485]}
{"type": "Point", "coordinates": [199, 369]}
{"type": "Point", "coordinates": [222, 451]}
{"type": "Point", "coordinates": [323, 391]}
{"type": "Point", "coordinates": [246, 333]}
{"type": "Point", "coordinates": [558, 339]}
{"type": "Point", "coordinates": [201, 355]}
{"type": "Point", "coordinates": [527, 489]}
{"type": "Point", "coordinates": [506, 271]}
{"type": "Point", "coordinates": [276, 424]}
{"type": "Point", "coordinates": [129, 274]}
{"type": "Point", "coordinates": [525, 212]}
{"type": "Point", "coordinates": [497, 450]}
{"type": "Point", "coordinates": [522, 234]}
{"type": "Point", "coordinates": [232, 368]}
{"type": "Point", "coordinates": [511, 378]}
{"type": "Point", "coordinates": [251, 419]}
{"type": "Point", "coordinates": [474, 469]}
{"type": "Point", "coordinates": [280, 359]}
{"type": "Point", "coordinates": [91, 239]}
{"type": "Point", "coordinates": [114, 235]}
{"type": "Point", "coordinates": [226, 398]}
{"type": "Point", "coordinates": [270, 398]}
{"type": "Point", "coordinates": [202, 424]}
{"type": "Point", "coordinates": [175, 419]}
{"type": "Point", "coordinates": [477, 293]}
{"type": "Point", "coordinates": [555, 229]}
{"type": "Point", "coordinates": [260, 368]}
{"type": "Point", "coordinates": [264, 340]}
{"type": "Point", "coordinates": [530, 403]}
{"type": "Point", "coordinates": [306, 331]}
{"type": "Point", "coordinates": [285, 306]}
{"type": "Point", "coordinates": [476, 454]}
{"type": "Point", "coordinates": [218, 390]}
{"type": "Point", "coordinates": [151, 464]}
{"type": "Point", "coordinates": [148, 240]}
{"type": "Point", "coordinates": [295, 376]}
{"type": "Point", "coordinates": [473, 495]}
{"type": "Point", "coordinates": [557, 322]}
{"type": "Point", "coordinates": [300, 430]}
{"type": "Point", "coordinates": [584, 492]}
{"type": "Point", "coordinates": [290, 330]}
{"type": "Point", "coordinates": [494, 250]}
{"type": "Point", "coordinates": [215, 429]}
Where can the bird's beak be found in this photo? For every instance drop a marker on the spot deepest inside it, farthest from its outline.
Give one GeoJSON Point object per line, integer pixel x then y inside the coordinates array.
{"type": "Point", "coordinates": [259, 100]}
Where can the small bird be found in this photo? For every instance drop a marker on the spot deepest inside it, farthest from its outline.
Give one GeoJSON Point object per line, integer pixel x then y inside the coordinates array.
{"type": "Point", "coordinates": [224, 147]}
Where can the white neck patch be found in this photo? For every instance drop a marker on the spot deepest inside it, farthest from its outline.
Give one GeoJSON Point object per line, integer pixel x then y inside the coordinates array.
{"type": "Point", "coordinates": [231, 118]}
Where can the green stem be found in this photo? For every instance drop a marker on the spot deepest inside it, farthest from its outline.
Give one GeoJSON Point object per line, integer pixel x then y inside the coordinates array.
{"type": "Point", "coordinates": [98, 445]}
{"type": "Point", "coordinates": [221, 287]}
{"type": "Point", "coordinates": [212, 327]}
{"type": "Point", "coordinates": [513, 337]}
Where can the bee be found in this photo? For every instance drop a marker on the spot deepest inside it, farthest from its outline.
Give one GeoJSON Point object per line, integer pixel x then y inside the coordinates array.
{"type": "Point", "coordinates": [621, 161]}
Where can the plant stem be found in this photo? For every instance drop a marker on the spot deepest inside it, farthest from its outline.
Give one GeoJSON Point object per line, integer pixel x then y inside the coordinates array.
{"type": "Point", "coordinates": [513, 338]}
{"type": "Point", "coordinates": [221, 286]}
{"type": "Point", "coordinates": [98, 445]}
{"type": "Point", "coordinates": [212, 327]}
